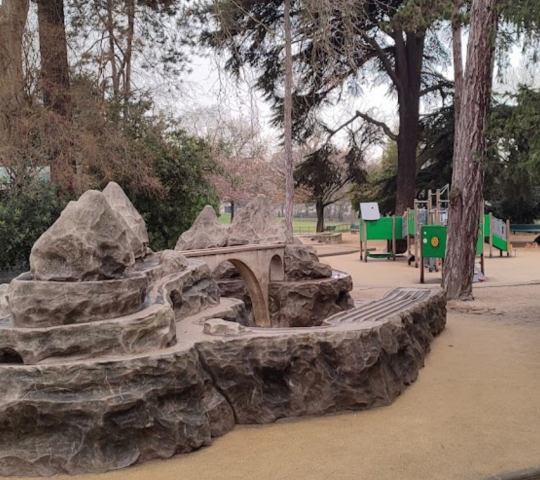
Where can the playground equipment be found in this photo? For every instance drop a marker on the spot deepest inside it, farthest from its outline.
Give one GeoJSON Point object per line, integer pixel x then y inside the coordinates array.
{"type": "Point", "coordinates": [432, 211]}
{"type": "Point", "coordinates": [374, 227]}
{"type": "Point", "coordinates": [427, 232]}
{"type": "Point", "coordinates": [433, 246]}
{"type": "Point", "coordinates": [497, 235]}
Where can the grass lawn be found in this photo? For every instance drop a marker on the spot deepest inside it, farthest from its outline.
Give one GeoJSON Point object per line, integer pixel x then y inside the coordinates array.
{"type": "Point", "coordinates": [300, 225]}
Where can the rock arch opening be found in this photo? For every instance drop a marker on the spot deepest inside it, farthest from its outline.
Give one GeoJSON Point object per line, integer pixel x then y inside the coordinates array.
{"type": "Point", "coordinates": [8, 356]}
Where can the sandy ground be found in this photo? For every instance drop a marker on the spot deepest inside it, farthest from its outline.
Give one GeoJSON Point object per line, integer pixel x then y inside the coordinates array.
{"type": "Point", "coordinates": [473, 412]}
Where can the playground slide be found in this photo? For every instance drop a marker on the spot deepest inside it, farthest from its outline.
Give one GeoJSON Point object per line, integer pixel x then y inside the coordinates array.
{"type": "Point", "coordinates": [499, 233]}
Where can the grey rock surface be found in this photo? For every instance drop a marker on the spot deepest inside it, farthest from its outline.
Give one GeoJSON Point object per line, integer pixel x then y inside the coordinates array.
{"type": "Point", "coordinates": [206, 232]}
{"type": "Point", "coordinates": [88, 242]}
{"type": "Point", "coordinates": [4, 305]}
{"type": "Point", "coordinates": [308, 303]}
{"type": "Point", "coordinates": [172, 262]}
{"type": "Point", "coordinates": [37, 303]}
{"type": "Point", "coordinates": [255, 224]}
{"type": "Point", "coordinates": [301, 262]}
{"type": "Point", "coordinates": [193, 291]}
{"type": "Point", "coordinates": [313, 373]}
{"type": "Point", "coordinates": [122, 205]}
{"type": "Point", "coordinates": [94, 416]}
{"type": "Point", "coordinates": [218, 326]}
{"type": "Point", "coordinates": [103, 414]}
{"type": "Point", "coordinates": [148, 330]}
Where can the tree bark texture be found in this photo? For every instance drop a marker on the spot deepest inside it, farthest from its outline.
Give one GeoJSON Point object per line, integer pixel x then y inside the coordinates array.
{"type": "Point", "coordinates": [289, 165]}
{"type": "Point", "coordinates": [409, 58]}
{"type": "Point", "coordinates": [319, 207]}
{"type": "Point", "coordinates": [468, 178]}
{"type": "Point", "coordinates": [55, 81]}
{"type": "Point", "coordinates": [458, 59]}
{"type": "Point", "coordinates": [13, 16]}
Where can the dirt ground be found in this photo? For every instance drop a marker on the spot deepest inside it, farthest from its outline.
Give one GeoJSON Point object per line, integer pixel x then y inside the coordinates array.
{"type": "Point", "coordinates": [473, 412]}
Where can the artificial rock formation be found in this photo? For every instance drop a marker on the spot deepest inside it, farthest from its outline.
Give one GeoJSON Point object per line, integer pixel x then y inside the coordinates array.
{"type": "Point", "coordinates": [309, 303]}
{"type": "Point", "coordinates": [126, 212]}
{"type": "Point", "coordinates": [206, 232]}
{"type": "Point", "coordinates": [95, 415]}
{"type": "Point", "coordinates": [301, 262]}
{"type": "Point", "coordinates": [88, 242]}
{"type": "Point", "coordinates": [122, 205]}
{"type": "Point", "coordinates": [255, 224]}
{"type": "Point", "coordinates": [102, 374]}
{"type": "Point", "coordinates": [37, 303]}
{"type": "Point", "coordinates": [4, 305]}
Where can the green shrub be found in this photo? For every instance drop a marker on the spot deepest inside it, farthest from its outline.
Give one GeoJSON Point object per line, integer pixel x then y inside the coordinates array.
{"type": "Point", "coordinates": [25, 213]}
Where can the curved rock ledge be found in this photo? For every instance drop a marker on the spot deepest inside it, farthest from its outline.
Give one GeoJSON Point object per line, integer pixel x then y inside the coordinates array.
{"type": "Point", "coordinates": [35, 303]}
{"type": "Point", "coordinates": [151, 328]}
{"type": "Point", "coordinates": [109, 413]}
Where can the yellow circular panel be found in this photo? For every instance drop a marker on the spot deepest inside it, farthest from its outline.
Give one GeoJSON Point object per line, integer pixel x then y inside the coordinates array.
{"type": "Point", "coordinates": [434, 242]}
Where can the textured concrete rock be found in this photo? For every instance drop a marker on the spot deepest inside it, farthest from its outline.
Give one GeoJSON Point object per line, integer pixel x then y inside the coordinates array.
{"type": "Point", "coordinates": [148, 330]}
{"type": "Point", "coordinates": [218, 326]}
{"type": "Point", "coordinates": [4, 305]}
{"type": "Point", "coordinates": [237, 288]}
{"type": "Point", "coordinates": [172, 262]}
{"type": "Point", "coordinates": [206, 232]}
{"type": "Point", "coordinates": [255, 224]}
{"type": "Point", "coordinates": [301, 262]}
{"type": "Point", "coordinates": [36, 303]}
{"type": "Point", "coordinates": [308, 303]}
{"type": "Point", "coordinates": [88, 242]}
{"type": "Point", "coordinates": [313, 373]}
{"type": "Point", "coordinates": [194, 291]}
{"type": "Point", "coordinates": [226, 270]}
{"type": "Point", "coordinates": [94, 416]}
{"type": "Point", "coordinates": [122, 205]}
{"type": "Point", "coordinates": [98, 415]}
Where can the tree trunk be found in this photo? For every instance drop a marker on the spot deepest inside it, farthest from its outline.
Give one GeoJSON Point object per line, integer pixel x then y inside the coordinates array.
{"type": "Point", "coordinates": [54, 58]}
{"type": "Point", "coordinates": [289, 166]}
{"type": "Point", "coordinates": [468, 177]}
{"type": "Point", "coordinates": [409, 58]}
{"type": "Point", "coordinates": [13, 16]}
{"type": "Point", "coordinates": [232, 211]}
{"type": "Point", "coordinates": [131, 10]}
{"type": "Point", "coordinates": [409, 117]}
{"type": "Point", "coordinates": [458, 60]}
{"type": "Point", "coordinates": [319, 206]}
{"type": "Point", "coordinates": [55, 82]}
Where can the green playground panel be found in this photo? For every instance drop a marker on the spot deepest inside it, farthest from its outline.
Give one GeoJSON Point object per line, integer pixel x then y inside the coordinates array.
{"type": "Point", "coordinates": [500, 243]}
{"type": "Point", "coordinates": [434, 241]}
{"type": "Point", "coordinates": [480, 242]}
{"type": "Point", "coordinates": [487, 225]}
{"type": "Point", "coordinates": [381, 229]}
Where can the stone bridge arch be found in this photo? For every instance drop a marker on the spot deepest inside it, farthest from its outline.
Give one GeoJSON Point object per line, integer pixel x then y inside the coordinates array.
{"type": "Point", "coordinates": [258, 265]}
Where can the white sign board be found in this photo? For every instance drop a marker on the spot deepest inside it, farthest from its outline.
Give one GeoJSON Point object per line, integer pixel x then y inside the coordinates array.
{"type": "Point", "coordinates": [370, 211]}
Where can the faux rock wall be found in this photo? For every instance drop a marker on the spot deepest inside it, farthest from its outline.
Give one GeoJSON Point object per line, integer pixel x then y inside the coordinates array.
{"type": "Point", "coordinates": [99, 415]}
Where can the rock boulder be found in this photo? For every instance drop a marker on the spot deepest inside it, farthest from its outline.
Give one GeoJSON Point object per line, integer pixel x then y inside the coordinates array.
{"type": "Point", "coordinates": [123, 207]}
{"type": "Point", "coordinates": [206, 232]}
{"type": "Point", "coordinates": [88, 242]}
{"type": "Point", "coordinates": [4, 306]}
{"type": "Point", "coordinates": [256, 224]}
{"type": "Point", "coordinates": [301, 262]}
